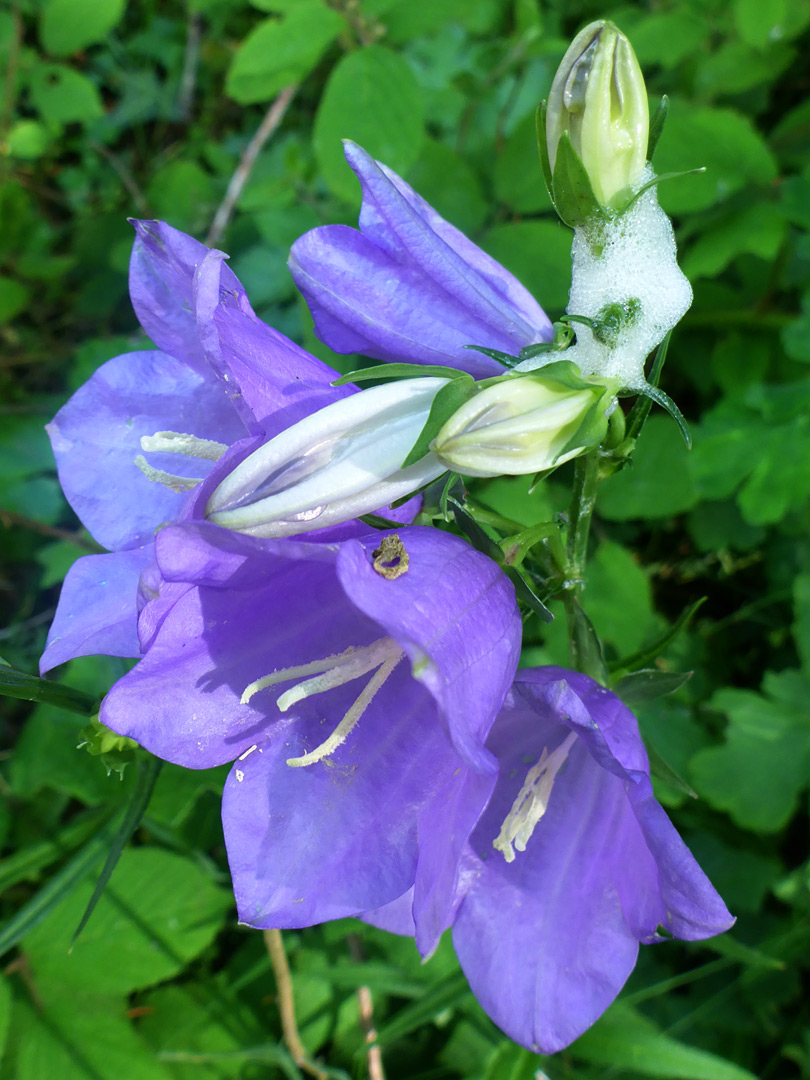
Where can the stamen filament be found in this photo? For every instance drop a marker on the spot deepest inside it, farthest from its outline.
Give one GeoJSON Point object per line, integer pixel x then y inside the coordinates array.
{"type": "Point", "coordinates": [349, 721]}
{"type": "Point", "coordinates": [177, 442]}
{"type": "Point", "coordinates": [532, 800]}
{"type": "Point", "coordinates": [345, 666]}
{"type": "Point", "coordinates": [169, 480]}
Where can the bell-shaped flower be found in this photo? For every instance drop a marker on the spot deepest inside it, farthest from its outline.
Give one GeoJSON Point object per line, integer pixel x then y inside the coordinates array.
{"type": "Point", "coordinates": [340, 462]}
{"type": "Point", "coordinates": [149, 426]}
{"type": "Point", "coordinates": [353, 685]}
{"type": "Point", "coordinates": [572, 865]}
{"type": "Point", "coordinates": [525, 425]}
{"type": "Point", "coordinates": [408, 285]}
{"type": "Point", "coordinates": [598, 99]}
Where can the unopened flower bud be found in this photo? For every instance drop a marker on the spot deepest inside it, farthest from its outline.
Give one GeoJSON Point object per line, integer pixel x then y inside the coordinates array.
{"type": "Point", "coordinates": [337, 463]}
{"type": "Point", "coordinates": [598, 97]}
{"type": "Point", "coordinates": [525, 425]}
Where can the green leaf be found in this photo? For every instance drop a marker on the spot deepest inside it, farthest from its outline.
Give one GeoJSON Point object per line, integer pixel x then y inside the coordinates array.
{"type": "Point", "coordinates": [448, 183]}
{"type": "Point", "coordinates": [183, 194]}
{"type": "Point", "coordinates": [757, 775]}
{"type": "Point", "coordinates": [28, 139]}
{"type": "Point", "coordinates": [538, 253]}
{"type": "Point", "coordinates": [519, 180]}
{"type": "Point", "coordinates": [755, 230]}
{"type": "Point", "coordinates": [80, 1036]}
{"type": "Point", "coordinates": [66, 26]}
{"type": "Point", "coordinates": [147, 774]}
{"type": "Point", "coordinates": [666, 38]}
{"type": "Point", "coordinates": [19, 684]}
{"type": "Point", "coordinates": [658, 485]}
{"type": "Point", "coordinates": [5, 1013]}
{"type": "Point", "coordinates": [279, 52]}
{"type": "Point", "coordinates": [658, 647]}
{"type": "Point", "coordinates": [801, 624]}
{"type": "Point", "coordinates": [656, 394]}
{"type": "Point", "coordinates": [62, 95]}
{"type": "Point", "coordinates": [618, 597]}
{"type": "Point", "coordinates": [723, 141]}
{"type": "Point", "coordinates": [760, 22]}
{"type": "Point", "coordinates": [158, 912]}
{"type": "Point", "coordinates": [448, 400]}
{"type": "Point", "coordinates": [53, 894]}
{"type": "Point", "coordinates": [28, 863]}
{"type": "Point", "coordinates": [625, 1040]}
{"type": "Point", "coordinates": [440, 996]}
{"type": "Point", "coordinates": [351, 109]}
{"type": "Point", "coordinates": [14, 297]}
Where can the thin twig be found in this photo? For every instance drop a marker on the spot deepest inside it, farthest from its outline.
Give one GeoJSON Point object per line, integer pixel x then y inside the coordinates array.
{"type": "Point", "coordinates": [365, 1008]}
{"type": "Point", "coordinates": [10, 517]}
{"type": "Point", "coordinates": [286, 1005]}
{"type": "Point", "coordinates": [188, 79]}
{"type": "Point", "coordinates": [272, 119]}
{"type": "Point", "coordinates": [126, 177]}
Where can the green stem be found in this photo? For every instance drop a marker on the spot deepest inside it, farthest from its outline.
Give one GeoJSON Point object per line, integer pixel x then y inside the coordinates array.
{"type": "Point", "coordinates": [583, 500]}
{"type": "Point", "coordinates": [584, 650]}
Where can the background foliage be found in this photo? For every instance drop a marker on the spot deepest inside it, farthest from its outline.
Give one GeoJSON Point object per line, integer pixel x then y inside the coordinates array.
{"type": "Point", "coordinates": [111, 110]}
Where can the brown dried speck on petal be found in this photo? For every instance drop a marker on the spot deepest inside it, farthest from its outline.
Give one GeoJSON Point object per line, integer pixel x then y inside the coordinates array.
{"type": "Point", "coordinates": [390, 558]}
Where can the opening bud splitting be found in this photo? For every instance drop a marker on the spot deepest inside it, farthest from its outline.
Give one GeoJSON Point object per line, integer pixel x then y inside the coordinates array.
{"type": "Point", "coordinates": [598, 113]}
{"type": "Point", "coordinates": [340, 462]}
{"type": "Point", "coordinates": [527, 424]}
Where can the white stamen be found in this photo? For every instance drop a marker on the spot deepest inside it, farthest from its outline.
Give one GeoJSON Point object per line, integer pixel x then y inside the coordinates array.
{"type": "Point", "coordinates": [532, 800]}
{"type": "Point", "coordinates": [177, 442]}
{"type": "Point", "coordinates": [169, 480]}
{"type": "Point", "coordinates": [350, 664]}
{"type": "Point", "coordinates": [349, 721]}
{"type": "Point", "coordinates": [248, 752]}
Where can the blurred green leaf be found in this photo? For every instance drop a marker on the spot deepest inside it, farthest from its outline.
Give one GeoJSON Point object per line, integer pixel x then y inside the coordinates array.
{"type": "Point", "coordinates": [66, 26]}
{"type": "Point", "coordinates": [756, 230]}
{"type": "Point", "coordinates": [538, 253]}
{"type": "Point", "coordinates": [159, 911]}
{"type": "Point", "coordinates": [14, 297]}
{"type": "Point", "coordinates": [351, 109]}
{"type": "Point", "coordinates": [723, 141]}
{"type": "Point", "coordinates": [625, 1039]}
{"type": "Point", "coordinates": [658, 484]}
{"type": "Point", "coordinates": [63, 95]}
{"type": "Point", "coordinates": [281, 51]}
{"type": "Point", "coordinates": [28, 139]}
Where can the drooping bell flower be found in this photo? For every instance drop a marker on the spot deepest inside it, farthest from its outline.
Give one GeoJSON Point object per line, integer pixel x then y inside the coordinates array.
{"type": "Point", "coordinates": [572, 865]}
{"type": "Point", "coordinates": [353, 685]}
{"type": "Point", "coordinates": [147, 428]}
{"type": "Point", "coordinates": [410, 286]}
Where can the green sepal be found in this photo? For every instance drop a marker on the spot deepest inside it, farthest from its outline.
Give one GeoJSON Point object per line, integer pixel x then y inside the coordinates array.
{"type": "Point", "coordinates": [479, 539]}
{"type": "Point", "coordinates": [399, 371]}
{"type": "Point", "coordinates": [542, 147]}
{"type": "Point", "coordinates": [588, 656]}
{"type": "Point", "coordinates": [659, 180]}
{"type": "Point", "coordinates": [641, 409]}
{"type": "Point", "coordinates": [115, 751]}
{"type": "Point", "coordinates": [527, 595]}
{"type": "Point", "coordinates": [573, 195]}
{"type": "Point", "coordinates": [651, 652]}
{"type": "Point", "coordinates": [453, 480]}
{"type": "Point", "coordinates": [645, 685]}
{"type": "Point", "coordinates": [376, 521]}
{"type": "Point", "coordinates": [446, 402]}
{"type": "Point", "coordinates": [19, 684]}
{"type": "Point", "coordinates": [657, 125]}
{"type": "Point", "coordinates": [656, 394]}
{"type": "Point", "coordinates": [662, 770]}
{"type": "Point", "coordinates": [495, 354]}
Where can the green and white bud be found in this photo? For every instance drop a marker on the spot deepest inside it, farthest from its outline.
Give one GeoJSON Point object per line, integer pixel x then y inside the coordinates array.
{"type": "Point", "coordinates": [526, 424]}
{"type": "Point", "coordinates": [338, 463]}
{"type": "Point", "coordinates": [599, 99]}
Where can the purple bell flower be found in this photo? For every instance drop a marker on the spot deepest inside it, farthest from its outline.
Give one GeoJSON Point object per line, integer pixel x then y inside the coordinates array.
{"type": "Point", "coordinates": [353, 685]}
{"type": "Point", "coordinates": [409, 286]}
{"type": "Point", "coordinates": [147, 427]}
{"type": "Point", "coordinates": [572, 865]}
